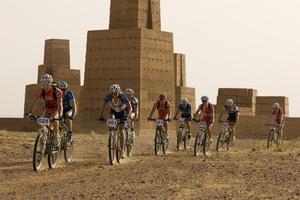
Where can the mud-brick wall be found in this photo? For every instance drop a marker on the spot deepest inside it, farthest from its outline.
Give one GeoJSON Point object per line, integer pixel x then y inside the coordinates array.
{"type": "Point", "coordinates": [17, 124]}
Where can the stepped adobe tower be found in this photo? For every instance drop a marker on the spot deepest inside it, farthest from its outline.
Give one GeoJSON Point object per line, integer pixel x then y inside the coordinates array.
{"type": "Point", "coordinates": [136, 54]}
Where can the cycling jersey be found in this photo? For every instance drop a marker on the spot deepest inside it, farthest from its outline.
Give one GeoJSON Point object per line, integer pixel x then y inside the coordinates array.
{"type": "Point", "coordinates": [232, 113]}
{"type": "Point", "coordinates": [119, 105]}
{"type": "Point", "coordinates": [208, 111]}
{"type": "Point", "coordinates": [186, 111]}
{"type": "Point", "coordinates": [278, 115]}
{"type": "Point", "coordinates": [50, 97]}
{"type": "Point", "coordinates": [163, 109]}
{"type": "Point", "coordinates": [69, 96]}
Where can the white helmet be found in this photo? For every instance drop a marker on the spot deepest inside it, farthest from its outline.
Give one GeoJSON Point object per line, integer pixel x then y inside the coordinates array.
{"type": "Point", "coordinates": [129, 92]}
{"type": "Point", "coordinates": [276, 106]}
{"type": "Point", "coordinates": [46, 79]}
{"type": "Point", "coordinates": [229, 102]}
{"type": "Point", "coordinates": [63, 85]}
{"type": "Point", "coordinates": [115, 88]}
{"type": "Point", "coordinates": [184, 101]}
{"type": "Point", "coordinates": [204, 99]}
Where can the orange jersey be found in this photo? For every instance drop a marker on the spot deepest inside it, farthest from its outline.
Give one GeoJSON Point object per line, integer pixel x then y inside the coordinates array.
{"type": "Point", "coordinates": [163, 109]}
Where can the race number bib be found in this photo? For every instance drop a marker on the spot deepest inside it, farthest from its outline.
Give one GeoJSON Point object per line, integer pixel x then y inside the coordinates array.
{"type": "Point", "coordinates": [112, 123]}
{"type": "Point", "coordinates": [42, 121]}
{"type": "Point", "coordinates": [160, 122]}
{"type": "Point", "coordinates": [202, 124]}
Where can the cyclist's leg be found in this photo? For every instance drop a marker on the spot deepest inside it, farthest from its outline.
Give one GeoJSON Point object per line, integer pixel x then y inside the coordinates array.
{"type": "Point", "coordinates": [55, 125]}
{"type": "Point", "coordinates": [166, 129]}
{"type": "Point", "coordinates": [188, 125]}
{"type": "Point", "coordinates": [69, 124]}
{"type": "Point", "coordinates": [209, 131]}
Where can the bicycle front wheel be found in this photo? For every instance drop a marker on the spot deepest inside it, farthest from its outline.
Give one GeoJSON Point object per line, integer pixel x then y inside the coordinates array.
{"type": "Point", "coordinates": [221, 140]}
{"type": "Point", "coordinates": [157, 141]}
{"type": "Point", "coordinates": [165, 142]}
{"type": "Point", "coordinates": [198, 143]}
{"type": "Point", "coordinates": [206, 145]}
{"type": "Point", "coordinates": [179, 138]}
{"type": "Point", "coordinates": [271, 139]}
{"type": "Point", "coordinates": [112, 148]}
{"type": "Point", "coordinates": [39, 150]}
{"type": "Point", "coordinates": [53, 154]}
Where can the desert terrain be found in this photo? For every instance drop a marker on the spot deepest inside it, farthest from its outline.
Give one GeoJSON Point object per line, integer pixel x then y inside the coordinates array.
{"type": "Point", "coordinates": [248, 171]}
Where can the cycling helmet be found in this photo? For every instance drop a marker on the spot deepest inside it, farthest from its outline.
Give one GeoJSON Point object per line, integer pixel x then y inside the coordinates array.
{"type": "Point", "coordinates": [184, 101]}
{"type": "Point", "coordinates": [129, 92]}
{"type": "Point", "coordinates": [276, 106]}
{"type": "Point", "coordinates": [204, 99]}
{"type": "Point", "coordinates": [115, 88]}
{"type": "Point", "coordinates": [46, 79]}
{"type": "Point", "coordinates": [63, 85]}
{"type": "Point", "coordinates": [229, 103]}
{"type": "Point", "coordinates": [162, 97]}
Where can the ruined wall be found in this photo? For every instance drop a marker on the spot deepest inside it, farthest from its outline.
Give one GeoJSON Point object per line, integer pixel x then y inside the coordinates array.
{"type": "Point", "coordinates": [264, 105]}
{"type": "Point", "coordinates": [245, 99]}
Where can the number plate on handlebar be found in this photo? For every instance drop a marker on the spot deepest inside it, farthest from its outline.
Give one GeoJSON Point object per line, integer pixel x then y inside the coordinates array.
{"type": "Point", "coordinates": [43, 121]}
{"type": "Point", "coordinates": [225, 125]}
{"type": "Point", "coordinates": [202, 124]}
{"type": "Point", "coordinates": [160, 122]}
{"type": "Point", "coordinates": [112, 123]}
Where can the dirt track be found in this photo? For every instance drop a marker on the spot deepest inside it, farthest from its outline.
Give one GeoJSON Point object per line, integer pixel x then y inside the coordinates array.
{"type": "Point", "coordinates": [247, 172]}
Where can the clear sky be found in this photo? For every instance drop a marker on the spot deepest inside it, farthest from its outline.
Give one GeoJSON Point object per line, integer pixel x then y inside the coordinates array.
{"type": "Point", "coordinates": [228, 43]}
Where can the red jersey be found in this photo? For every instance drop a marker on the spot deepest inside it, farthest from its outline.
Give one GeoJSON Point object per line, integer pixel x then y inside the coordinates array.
{"type": "Point", "coordinates": [50, 97]}
{"type": "Point", "coordinates": [278, 115]}
{"type": "Point", "coordinates": [208, 112]}
{"type": "Point", "coordinates": [163, 109]}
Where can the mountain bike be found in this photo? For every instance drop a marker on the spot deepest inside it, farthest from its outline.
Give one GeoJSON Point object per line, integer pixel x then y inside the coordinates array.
{"type": "Point", "coordinates": [274, 136]}
{"type": "Point", "coordinates": [225, 137]}
{"type": "Point", "coordinates": [182, 134]}
{"type": "Point", "coordinates": [44, 143]}
{"type": "Point", "coordinates": [202, 141]}
{"type": "Point", "coordinates": [129, 138]}
{"type": "Point", "coordinates": [160, 140]}
{"type": "Point", "coordinates": [114, 141]}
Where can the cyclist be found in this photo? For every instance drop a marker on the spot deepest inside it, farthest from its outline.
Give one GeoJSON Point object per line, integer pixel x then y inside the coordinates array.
{"type": "Point", "coordinates": [69, 106]}
{"type": "Point", "coordinates": [135, 112]}
{"type": "Point", "coordinates": [163, 106]}
{"type": "Point", "coordinates": [207, 110]}
{"type": "Point", "coordinates": [53, 103]}
{"type": "Point", "coordinates": [186, 112]}
{"type": "Point", "coordinates": [120, 108]}
{"type": "Point", "coordinates": [233, 116]}
{"type": "Point", "coordinates": [278, 114]}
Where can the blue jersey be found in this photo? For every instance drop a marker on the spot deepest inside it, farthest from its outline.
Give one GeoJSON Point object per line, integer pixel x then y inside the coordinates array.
{"type": "Point", "coordinates": [119, 105]}
{"type": "Point", "coordinates": [67, 101]}
{"type": "Point", "coordinates": [186, 111]}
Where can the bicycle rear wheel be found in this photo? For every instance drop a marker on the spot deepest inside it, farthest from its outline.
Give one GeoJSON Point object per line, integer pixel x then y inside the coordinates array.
{"type": "Point", "coordinates": [112, 148]}
{"type": "Point", "coordinates": [206, 145]}
{"type": "Point", "coordinates": [39, 150]}
{"type": "Point", "coordinates": [53, 154]}
{"type": "Point", "coordinates": [157, 141]}
{"type": "Point", "coordinates": [221, 140]}
{"type": "Point", "coordinates": [198, 143]}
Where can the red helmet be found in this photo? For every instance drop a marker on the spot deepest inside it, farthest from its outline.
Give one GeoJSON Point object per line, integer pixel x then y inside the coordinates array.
{"type": "Point", "coordinates": [162, 97]}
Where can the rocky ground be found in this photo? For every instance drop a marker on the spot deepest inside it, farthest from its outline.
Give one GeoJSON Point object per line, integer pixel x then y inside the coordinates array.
{"type": "Point", "coordinates": [249, 171]}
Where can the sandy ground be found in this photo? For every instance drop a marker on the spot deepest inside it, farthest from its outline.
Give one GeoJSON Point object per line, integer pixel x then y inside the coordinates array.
{"type": "Point", "coordinates": [249, 171]}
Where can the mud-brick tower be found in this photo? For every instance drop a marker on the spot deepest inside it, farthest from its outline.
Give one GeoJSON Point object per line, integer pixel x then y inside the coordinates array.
{"type": "Point", "coordinates": [134, 53]}
{"type": "Point", "coordinates": [57, 63]}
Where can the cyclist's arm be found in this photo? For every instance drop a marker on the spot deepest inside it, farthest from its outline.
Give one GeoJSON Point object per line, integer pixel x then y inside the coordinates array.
{"type": "Point", "coordinates": [213, 115]}
{"type": "Point", "coordinates": [136, 108]}
{"type": "Point", "coordinates": [60, 106]}
{"type": "Point", "coordinates": [176, 113]}
{"type": "Point", "coordinates": [102, 108]}
{"type": "Point", "coordinates": [169, 111]}
{"type": "Point", "coordinates": [153, 110]}
{"type": "Point", "coordinates": [128, 104]}
{"type": "Point", "coordinates": [198, 113]}
{"type": "Point", "coordinates": [74, 107]}
{"type": "Point", "coordinates": [34, 104]}
{"type": "Point", "coordinates": [237, 118]}
{"type": "Point", "coordinates": [221, 115]}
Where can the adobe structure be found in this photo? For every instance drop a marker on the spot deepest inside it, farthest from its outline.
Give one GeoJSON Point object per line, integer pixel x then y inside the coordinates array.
{"type": "Point", "coordinates": [136, 54]}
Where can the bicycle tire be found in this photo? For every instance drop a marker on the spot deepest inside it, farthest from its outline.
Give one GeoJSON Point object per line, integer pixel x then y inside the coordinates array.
{"type": "Point", "coordinates": [129, 143]}
{"type": "Point", "coordinates": [157, 141]}
{"type": "Point", "coordinates": [198, 144]}
{"type": "Point", "coordinates": [53, 153]}
{"type": "Point", "coordinates": [111, 148]}
{"type": "Point", "coordinates": [37, 163]}
{"type": "Point", "coordinates": [179, 138]}
{"type": "Point", "coordinates": [221, 140]}
{"type": "Point", "coordinates": [164, 142]}
{"type": "Point", "coordinates": [270, 139]}
{"type": "Point", "coordinates": [206, 146]}
{"type": "Point", "coordinates": [118, 148]}
{"type": "Point", "coordinates": [68, 149]}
